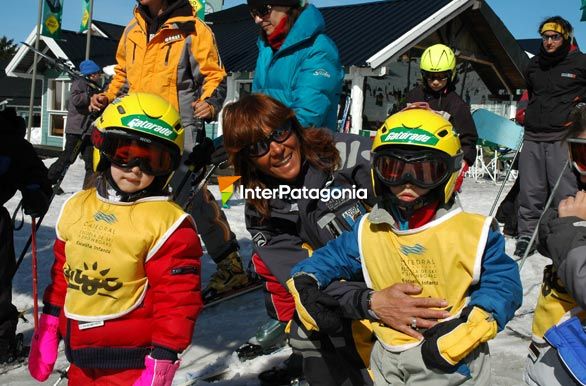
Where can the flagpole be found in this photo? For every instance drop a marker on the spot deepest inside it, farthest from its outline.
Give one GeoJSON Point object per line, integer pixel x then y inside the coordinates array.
{"type": "Point", "coordinates": [34, 80]}
{"type": "Point", "coordinates": [89, 31]}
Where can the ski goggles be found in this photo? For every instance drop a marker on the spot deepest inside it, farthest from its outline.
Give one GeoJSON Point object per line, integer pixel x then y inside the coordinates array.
{"type": "Point", "coordinates": [262, 147]}
{"type": "Point", "coordinates": [577, 147]}
{"type": "Point", "coordinates": [424, 169]}
{"type": "Point", "coordinates": [439, 76]}
{"type": "Point", "coordinates": [261, 11]}
{"type": "Point", "coordinates": [128, 150]}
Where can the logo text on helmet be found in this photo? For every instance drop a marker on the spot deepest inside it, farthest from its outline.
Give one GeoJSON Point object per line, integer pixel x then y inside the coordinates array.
{"type": "Point", "coordinates": [146, 125]}
{"type": "Point", "coordinates": [407, 136]}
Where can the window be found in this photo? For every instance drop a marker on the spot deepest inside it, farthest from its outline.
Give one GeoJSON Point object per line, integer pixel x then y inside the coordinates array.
{"type": "Point", "coordinates": [58, 97]}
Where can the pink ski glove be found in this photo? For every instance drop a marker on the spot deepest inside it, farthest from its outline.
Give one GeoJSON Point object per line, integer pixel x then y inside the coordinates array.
{"type": "Point", "coordinates": [44, 345]}
{"type": "Point", "coordinates": [158, 372]}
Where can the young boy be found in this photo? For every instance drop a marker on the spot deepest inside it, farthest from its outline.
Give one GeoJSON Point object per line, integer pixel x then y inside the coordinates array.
{"type": "Point", "coordinates": [415, 234]}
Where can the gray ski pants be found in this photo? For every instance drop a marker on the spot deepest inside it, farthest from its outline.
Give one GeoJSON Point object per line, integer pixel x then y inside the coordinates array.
{"type": "Point", "coordinates": [544, 368]}
{"type": "Point", "coordinates": [407, 368]}
{"type": "Point", "coordinates": [540, 164]}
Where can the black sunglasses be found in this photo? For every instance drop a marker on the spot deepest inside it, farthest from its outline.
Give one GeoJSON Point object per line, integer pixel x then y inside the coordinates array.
{"type": "Point", "coordinates": [279, 135]}
{"type": "Point", "coordinates": [261, 11]}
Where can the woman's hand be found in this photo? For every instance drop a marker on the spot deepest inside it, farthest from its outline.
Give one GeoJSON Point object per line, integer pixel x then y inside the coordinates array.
{"type": "Point", "coordinates": [573, 206]}
{"type": "Point", "coordinates": [397, 308]}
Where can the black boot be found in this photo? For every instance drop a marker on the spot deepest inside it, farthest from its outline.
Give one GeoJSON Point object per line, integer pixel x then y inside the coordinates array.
{"type": "Point", "coordinates": [12, 350]}
{"type": "Point", "coordinates": [290, 373]}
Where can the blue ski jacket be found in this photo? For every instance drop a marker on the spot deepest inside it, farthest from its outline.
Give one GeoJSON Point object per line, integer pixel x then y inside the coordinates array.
{"type": "Point", "coordinates": [305, 74]}
{"type": "Point", "coordinates": [499, 290]}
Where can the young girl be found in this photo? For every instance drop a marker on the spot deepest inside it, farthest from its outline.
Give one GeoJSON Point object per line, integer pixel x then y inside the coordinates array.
{"type": "Point", "coordinates": [125, 288]}
{"type": "Point", "coordinates": [562, 237]}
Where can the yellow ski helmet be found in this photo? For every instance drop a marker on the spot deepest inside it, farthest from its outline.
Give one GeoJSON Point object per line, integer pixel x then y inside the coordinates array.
{"type": "Point", "coordinates": [423, 139]}
{"type": "Point", "coordinates": [438, 58]}
{"type": "Point", "coordinates": [146, 122]}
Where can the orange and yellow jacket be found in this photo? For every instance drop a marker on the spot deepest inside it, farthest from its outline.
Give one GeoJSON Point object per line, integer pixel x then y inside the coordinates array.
{"type": "Point", "coordinates": [179, 62]}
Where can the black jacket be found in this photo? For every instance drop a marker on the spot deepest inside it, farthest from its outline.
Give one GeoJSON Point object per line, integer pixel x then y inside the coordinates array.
{"type": "Point", "coordinates": [20, 168]}
{"type": "Point", "coordinates": [459, 116]}
{"type": "Point", "coordinates": [553, 92]}
{"type": "Point", "coordinates": [278, 240]}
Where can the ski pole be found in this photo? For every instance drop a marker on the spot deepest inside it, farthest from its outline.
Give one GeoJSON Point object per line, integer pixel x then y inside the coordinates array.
{"type": "Point", "coordinates": [34, 274]}
{"type": "Point", "coordinates": [205, 176]}
{"type": "Point", "coordinates": [547, 205]}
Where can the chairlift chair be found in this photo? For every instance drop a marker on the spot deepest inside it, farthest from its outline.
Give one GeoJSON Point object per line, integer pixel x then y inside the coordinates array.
{"type": "Point", "coordinates": [505, 138]}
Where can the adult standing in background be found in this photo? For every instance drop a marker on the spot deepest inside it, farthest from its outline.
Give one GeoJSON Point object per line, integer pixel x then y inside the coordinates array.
{"type": "Point", "coordinates": [298, 64]}
{"type": "Point", "coordinates": [556, 80]}
{"type": "Point", "coordinates": [78, 122]}
{"type": "Point", "coordinates": [167, 51]}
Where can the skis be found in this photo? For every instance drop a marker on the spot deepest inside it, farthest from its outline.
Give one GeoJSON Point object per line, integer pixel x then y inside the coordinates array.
{"type": "Point", "coordinates": [60, 64]}
{"type": "Point", "coordinates": [253, 286]}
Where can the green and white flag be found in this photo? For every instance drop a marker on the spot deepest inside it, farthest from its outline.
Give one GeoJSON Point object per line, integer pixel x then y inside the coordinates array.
{"type": "Point", "coordinates": [200, 7]}
{"type": "Point", "coordinates": [85, 15]}
{"type": "Point", "coordinates": [52, 10]}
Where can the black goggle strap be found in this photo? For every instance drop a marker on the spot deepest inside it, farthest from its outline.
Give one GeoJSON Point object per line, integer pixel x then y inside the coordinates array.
{"type": "Point", "coordinates": [577, 147]}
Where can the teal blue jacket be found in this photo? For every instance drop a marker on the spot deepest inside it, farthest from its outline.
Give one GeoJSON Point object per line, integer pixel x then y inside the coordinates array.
{"type": "Point", "coordinates": [305, 73]}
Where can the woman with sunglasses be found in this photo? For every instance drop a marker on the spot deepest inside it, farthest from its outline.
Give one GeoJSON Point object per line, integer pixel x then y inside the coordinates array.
{"type": "Point", "coordinates": [270, 149]}
{"type": "Point", "coordinates": [415, 234]}
{"type": "Point", "coordinates": [125, 284]}
{"type": "Point", "coordinates": [562, 237]}
{"type": "Point", "coordinates": [297, 64]}
{"type": "Point", "coordinates": [438, 70]}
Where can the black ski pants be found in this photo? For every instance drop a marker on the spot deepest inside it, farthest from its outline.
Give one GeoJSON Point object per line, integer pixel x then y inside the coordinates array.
{"type": "Point", "coordinates": [68, 155]}
{"type": "Point", "coordinates": [8, 312]}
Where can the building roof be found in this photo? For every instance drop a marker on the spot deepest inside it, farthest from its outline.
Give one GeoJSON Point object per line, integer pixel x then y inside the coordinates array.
{"type": "Point", "coordinates": [113, 31]}
{"type": "Point", "coordinates": [372, 25]}
{"type": "Point", "coordinates": [70, 46]}
{"type": "Point", "coordinates": [17, 90]}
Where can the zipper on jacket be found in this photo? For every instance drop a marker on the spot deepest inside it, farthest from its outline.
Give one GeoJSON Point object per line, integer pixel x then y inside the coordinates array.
{"type": "Point", "coordinates": [133, 51]}
{"type": "Point", "coordinates": [167, 55]}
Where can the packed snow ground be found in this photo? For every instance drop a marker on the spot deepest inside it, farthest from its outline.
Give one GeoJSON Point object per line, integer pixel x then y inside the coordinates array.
{"type": "Point", "coordinates": [221, 329]}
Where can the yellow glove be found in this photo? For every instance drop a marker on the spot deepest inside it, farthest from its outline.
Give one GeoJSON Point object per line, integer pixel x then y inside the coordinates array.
{"type": "Point", "coordinates": [447, 343]}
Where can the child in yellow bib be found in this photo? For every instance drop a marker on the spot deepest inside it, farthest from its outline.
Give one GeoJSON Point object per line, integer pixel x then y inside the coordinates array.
{"type": "Point", "coordinates": [125, 289]}
{"type": "Point", "coordinates": [417, 235]}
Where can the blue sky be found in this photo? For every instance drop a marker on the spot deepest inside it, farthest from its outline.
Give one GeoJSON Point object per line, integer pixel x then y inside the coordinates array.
{"type": "Point", "coordinates": [522, 17]}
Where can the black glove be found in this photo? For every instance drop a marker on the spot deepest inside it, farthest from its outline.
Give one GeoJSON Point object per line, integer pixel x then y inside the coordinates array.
{"type": "Point", "coordinates": [34, 201]}
{"type": "Point", "coordinates": [201, 155]}
{"type": "Point", "coordinates": [447, 343]}
{"type": "Point", "coordinates": [316, 310]}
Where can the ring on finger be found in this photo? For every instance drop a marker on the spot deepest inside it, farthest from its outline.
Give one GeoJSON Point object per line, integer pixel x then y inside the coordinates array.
{"type": "Point", "coordinates": [414, 323]}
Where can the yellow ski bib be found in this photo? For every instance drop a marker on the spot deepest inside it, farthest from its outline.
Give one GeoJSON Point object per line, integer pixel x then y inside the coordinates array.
{"type": "Point", "coordinates": [554, 305]}
{"type": "Point", "coordinates": [106, 246]}
{"type": "Point", "coordinates": [443, 257]}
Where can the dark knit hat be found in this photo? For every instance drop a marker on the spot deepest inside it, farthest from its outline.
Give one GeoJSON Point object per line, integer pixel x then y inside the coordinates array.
{"type": "Point", "coordinates": [287, 3]}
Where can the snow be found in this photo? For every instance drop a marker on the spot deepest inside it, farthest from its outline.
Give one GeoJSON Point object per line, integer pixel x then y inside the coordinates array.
{"type": "Point", "coordinates": [222, 328]}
